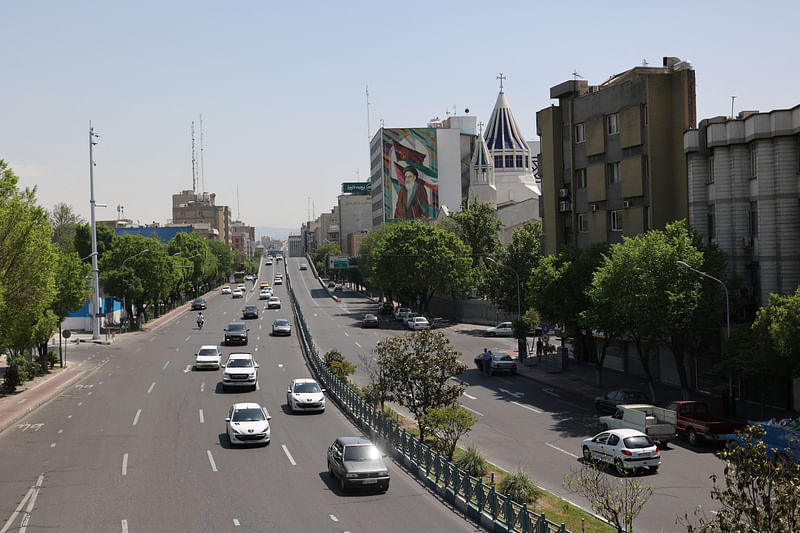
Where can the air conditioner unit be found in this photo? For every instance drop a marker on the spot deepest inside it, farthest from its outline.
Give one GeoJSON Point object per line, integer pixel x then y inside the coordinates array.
{"type": "Point", "coordinates": [563, 192]}
{"type": "Point", "coordinates": [626, 204]}
{"type": "Point", "coordinates": [594, 208]}
{"type": "Point", "coordinates": [564, 206]}
{"type": "Point", "coordinates": [747, 241]}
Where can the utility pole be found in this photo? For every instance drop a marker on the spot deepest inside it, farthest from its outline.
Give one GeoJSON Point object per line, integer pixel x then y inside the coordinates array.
{"type": "Point", "coordinates": [95, 276]}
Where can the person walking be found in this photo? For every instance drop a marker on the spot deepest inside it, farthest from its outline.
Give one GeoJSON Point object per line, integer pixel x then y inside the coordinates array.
{"type": "Point", "coordinates": [486, 359]}
{"type": "Point", "coordinates": [539, 349]}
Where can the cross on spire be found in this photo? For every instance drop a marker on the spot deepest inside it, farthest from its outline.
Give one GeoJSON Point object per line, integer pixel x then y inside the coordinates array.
{"type": "Point", "coordinates": [501, 78]}
{"type": "Point", "coordinates": [480, 128]}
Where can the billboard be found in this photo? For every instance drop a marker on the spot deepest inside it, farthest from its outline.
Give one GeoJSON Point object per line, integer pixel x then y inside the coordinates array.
{"type": "Point", "coordinates": [356, 187]}
{"type": "Point", "coordinates": [338, 261]}
{"type": "Point", "coordinates": [410, 174]}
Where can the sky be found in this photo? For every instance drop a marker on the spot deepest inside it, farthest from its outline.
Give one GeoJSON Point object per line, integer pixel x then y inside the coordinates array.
{"type": "Point", "coordinates": [281, 86]}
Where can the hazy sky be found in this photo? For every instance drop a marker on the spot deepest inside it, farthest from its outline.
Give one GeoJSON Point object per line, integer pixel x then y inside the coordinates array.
{"type": "Point", "coordinates": [281, 85]}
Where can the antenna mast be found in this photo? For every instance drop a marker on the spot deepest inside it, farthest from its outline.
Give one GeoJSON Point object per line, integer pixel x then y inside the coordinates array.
{"type": "Point", "coordinates": [368, 126]}
{"type": "Point", "coordinates": [308, 208]}
{"type": "Point", "coordinates": [202, 165]}
{"type": "Point", "coordinates": [194, 164]}
{"type": "Point", "coordinates": [238, 211]}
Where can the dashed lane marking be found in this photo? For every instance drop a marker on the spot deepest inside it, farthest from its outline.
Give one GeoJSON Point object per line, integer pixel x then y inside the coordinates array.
{"type": "Point", "coordinates": [202, 420]}
{"type": "Point", "coordinates": [136, 418]}
{"type": "Point", "coordinates": [357, 344]}
{"type": "Point", "coordinates": [528, 407]}
{"type": "Point", "coordinates": [124, 524]}
{"type": "Point", "coordinates": [165, 366]}
{"type": "Point", "coordinates": [288, 455]}
{"type": "Point", "coordinates": [153, 384]}
{"type": "Point", "coordinates": [471, 397]}
{"type": "Point", "coordinates": [562, 450]}
{"type": "Point", "coordinates": [211, 460]}
{"type": "Point", "coordinates": [470, 409]}
{"type": "Point", "coordinates": [333, 517]}
{"type": "Point", "coordinates": [125, 464]}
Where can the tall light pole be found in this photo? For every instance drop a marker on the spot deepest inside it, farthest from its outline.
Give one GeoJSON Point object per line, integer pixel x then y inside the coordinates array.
{"type": "Point", "coordinates": [731, 399]}
{"type": "Point", "coordinates": [123, 274]}
{"type": "Point", "coordinates": [519, 306]}
{"type": "Point", "coordinates": [95, 276]}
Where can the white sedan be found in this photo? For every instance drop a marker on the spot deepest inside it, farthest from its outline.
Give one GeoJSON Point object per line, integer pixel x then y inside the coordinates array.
{"type": "Point", "coordinates": [247, 423]}
{"type": "Point", "coordinates": [237, 293]}
{"type": "Point", "coordinates": [274, 303]}
{"type": "Point", "coordinates": [226, 289]}
{"type": "Point", "coordinates": [503, 329]}
{"type": "Point", "coordinates": [419, 322]}
{"type": "Point", "coordinates": [305, 395]}
{"type": "Point", "coordinates": [207, 357]}
{"type": "Point", "coordinates": [626, 449]}
{"type": "Point", "coordinates": [265, 294]}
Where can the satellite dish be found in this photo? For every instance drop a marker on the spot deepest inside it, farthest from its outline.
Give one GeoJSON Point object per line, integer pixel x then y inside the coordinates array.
{"type": "Point", "coordinates": [466, 111]}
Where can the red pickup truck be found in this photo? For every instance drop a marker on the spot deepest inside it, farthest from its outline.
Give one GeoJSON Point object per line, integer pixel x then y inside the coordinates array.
{"type": "Point", "coordinates": [696, 422]}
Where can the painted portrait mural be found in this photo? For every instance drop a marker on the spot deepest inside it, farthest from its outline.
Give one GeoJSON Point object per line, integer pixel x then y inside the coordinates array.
{"type": "Point", "coordinates": [411, 180]}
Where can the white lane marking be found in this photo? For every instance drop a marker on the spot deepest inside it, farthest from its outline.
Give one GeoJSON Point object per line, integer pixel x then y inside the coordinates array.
{"type": "Point", "coordinates": [17, 510]}
{"type": "Point", "coordinates": [80, 403]}
{"type": "Point", "coordinates": [124, 526]}
{"type": "Point", "coordinates": [137, 349]}
{"type": "Point", "coordinates": [358, 344]}
{"type": "Point", "coordinates": [562, 450]}
{"type": "Point", "coordinates": [236, 522]}
{"type": "Point", "coordinates": [61, 431]}
{"type": "Point", "coordinates": [346, 334]}
{"type": "Point", "coordinates": [333, 517]}
{"type": "Point", "coordinates": [89, 393]}
{"type": "Point", "coordinates": [528, 407]}
{"type": "Point", "coordinates": [125, 464]}
{"type": "Point", "coordinates": [289, 455]}
{"type": "Point", "coordinates": [22, 401]}
{"type": "Point", "coordinates": [514, 394]}
{"type": "Point", "coordinates": [136, 418]}
{"type": "Point", "coordinates": [186, 339]}
{"type": "Point", "coordinates": [69, 416]}
{"type": "Point", "coordinates": [551, 392]}
{"type": "Point", "coordinates": [202, 421]}
{"type": "Point", "coordinates": [153, 384]}
{"type": "Point", "coordinates": [471, 397]}
{"type": "Point", "coordinates": [99, 382]}
{"type": "Point", "coordinates": [280, 365]}
{"type": "Point", "coordinates": [165, 366]}
{"type": "Point", "coordinates": [211, 460]}
{"type": "Point", "coordinates": [469, 409]}
{"type": "Point", "coordinates": [187, 369]}
{"type": "Point", "coordinates": [52, 444]}
{"type": "Point", "coordinates": [203, 386]}
{"type": "Point", "coordinates": [27, 516]}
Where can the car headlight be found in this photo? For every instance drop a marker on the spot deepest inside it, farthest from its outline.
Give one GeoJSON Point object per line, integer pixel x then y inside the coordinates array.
{"type": "Point", "coordinates": [226, 376]}
{"type": "Point", "coordinates": [352, 475]}
{"type": "Point", "coordinates": [383, 473]}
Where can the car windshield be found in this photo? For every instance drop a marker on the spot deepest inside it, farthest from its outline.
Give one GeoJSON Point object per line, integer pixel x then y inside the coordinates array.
{"type": "Point", "coordinates": [207, 351]}
{"type": "Point", "coordinates": [281, 322]}
{"type": "Point", "coordinates": [239, 363]}
{"type": "Point", "coordinates": [251, 414]}
{"type": "Point", "coordinates": [636, 397]}
{"type": "Point", "coordinates": [274, 299]}
{"type": "Point", "coordinates": [639, 441]}
{"type": "Point", "coordinates": [361, 453]}
{"type": "Point", "coordinates": [370, 317]}
{"type": "Point", "coordinates": [236, 327]}
{"type": "Point", "coordinates": [200, 301]}
{"type": "Point", "coordinates": [306, 387]}
{"type": "Point", "coordinates": [251, 308]}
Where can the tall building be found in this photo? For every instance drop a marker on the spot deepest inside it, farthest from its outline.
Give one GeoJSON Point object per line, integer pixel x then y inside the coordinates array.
{"type": "Point", "coordinates": [295, 245]}
{"type": "Point", "coordinates": [189, 207]}
{"type": "Point", "coordinates": [612, 160]}
{"type": "Point", "coordinates": [743, 194]}
{"type": "Point", "coordinates": [355, 215]}
{"type": "Point", "coordinates": [243, 238]}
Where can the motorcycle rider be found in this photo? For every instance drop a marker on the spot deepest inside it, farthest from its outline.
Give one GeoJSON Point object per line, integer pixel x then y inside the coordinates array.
{"type": "Point", "coordinates": [200, 320]}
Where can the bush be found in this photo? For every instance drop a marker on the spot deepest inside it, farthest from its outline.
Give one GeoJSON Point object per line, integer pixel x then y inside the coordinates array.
{"type": "Point", "coordinates": [473, 462]}
{"type": "Point", "coordinates": [519, 487]}
{"type": "Point", "coordinates": [12, 378]}
{"type": "Point", "coordinates": [52, 358]}
{"type": "Point", "coordinates": [331, 356]}
{"type": "Point", "coordinates": [342, 369]}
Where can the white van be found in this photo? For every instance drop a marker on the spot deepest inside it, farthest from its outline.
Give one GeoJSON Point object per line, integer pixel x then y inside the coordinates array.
{"type": "Point", "coordinates": [656, 422]}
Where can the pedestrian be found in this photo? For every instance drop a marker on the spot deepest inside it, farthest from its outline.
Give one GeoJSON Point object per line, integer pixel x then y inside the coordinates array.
{"type": "Point", "coordinates": [486, 359]}
{"type": "Point", "coordinates": [539, 348]}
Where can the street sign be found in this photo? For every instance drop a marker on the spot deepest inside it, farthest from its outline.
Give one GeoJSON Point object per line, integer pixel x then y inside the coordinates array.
{"type": "Point", "coordinates": [545, 338]}
{"type": "Point", "coordinates": [338, 261]}
{"type": "Point", "coordinates": [356, 187]}
{"type": "Point", "coordinates": [545, 328]}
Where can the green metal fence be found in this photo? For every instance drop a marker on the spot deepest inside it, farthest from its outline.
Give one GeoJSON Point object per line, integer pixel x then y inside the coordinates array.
{"type": "Point", "coordinates": [440, 474]}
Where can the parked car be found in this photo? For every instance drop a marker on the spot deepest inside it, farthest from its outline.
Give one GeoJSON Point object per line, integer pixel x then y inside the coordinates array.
{"type": "Point", "coordinates": [250, 311]}
{"type": "Point", "coordinates": [419, 322]}
{"type": "Point", "coordinates": [401, 312]}
{"type": "Point", "coordinates": [657, 423]}
{"type": "Point", "coordinates": [236, 333]}
{"type": "Point", "coordinates": [386, 308]}
{"type": "Point", "coordinates": [247, 423]}
{"type": "Point", "coordinates": [303, 266]}
{"type": "Point", "coordinates": [281, 326]}
{"type": "Point", "coordinates": [410, 316]}
{"type": "Point", "coordinates": [226, 289]}
{"type": "Point", "coordinates": [370, 321]}
{"type": "Point", "coordinates": [626, 449]}
{"type": "Point", "coordinates": [237, 293]}
{"type": "Point", "coordinates": [338, 287]}
{"type": "Point", "coordinates": [274, 303]}
{"type": "Point", "coordinates": [199, 303]}
{"type": "Point", "coordinates": [780, 440]}
{"type": "Point", "coordinates": [607, 405]}
{"type": "Point", "coordinates": [305, 394]}
{"type": "Point", "coordinates": [503, 329]}
{"type": "Point", "coordinates": [696, 423]}
{"type": "Point", "coordinates": [207, 357]}
{"type": "Point", "coordinates": [240, 370]}
{"type": "Point", "coordinates": [500, 363]}
{"type": "Point", "coordinates": [356, 462]}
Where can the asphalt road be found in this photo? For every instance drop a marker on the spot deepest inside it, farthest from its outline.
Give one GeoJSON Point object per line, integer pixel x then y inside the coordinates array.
{"type": "Point", "coordinates": [139, 445]}
{"type": "Point", "coordinates": [521, 424]}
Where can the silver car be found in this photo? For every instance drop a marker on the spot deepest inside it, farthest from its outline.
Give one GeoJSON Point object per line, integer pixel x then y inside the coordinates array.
{"type": "Point", "coordinates": [281, 326]}
{"type": "Point", "coordinates": [356, 462]}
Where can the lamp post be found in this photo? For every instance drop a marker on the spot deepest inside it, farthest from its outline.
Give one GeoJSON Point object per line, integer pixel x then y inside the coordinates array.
{"type": "Point", "coordinates": [731, 399]}
{"type": "Point", "coordinates": [124, 308]}
{"type": "Point", "coordinates": [95, 276]}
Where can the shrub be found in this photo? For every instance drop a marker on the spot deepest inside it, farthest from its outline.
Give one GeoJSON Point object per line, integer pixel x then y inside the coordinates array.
{"type": "Point", "coordinates": [13, 376]}
{"type": "Point", "coordinates": [342, 369]}
{"type": "Point", "coordinates": [52, 358]}
{"type": "Point", "coordinates": [519, 487]}
{"type": "Point", "coordinates": [473, 462]}
{"type": "Point", "coordinates": [331, 356]}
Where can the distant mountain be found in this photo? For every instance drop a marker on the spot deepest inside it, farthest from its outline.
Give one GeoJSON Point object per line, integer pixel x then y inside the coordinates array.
{"type": "Point", "coordinates": [280, 234]}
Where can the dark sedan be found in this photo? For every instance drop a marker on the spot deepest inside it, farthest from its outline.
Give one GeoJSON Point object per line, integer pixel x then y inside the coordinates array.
{"type": "Point", "coordinates": [607, 405]}
{"type": "Point", "coordinates": [499, 364]}
{"type": "Point", "coordinates": [250, 311]}
{"type": "Point", "coordinates": [198, 304]}
{"type": "Point", "coordinates": [370, 321]}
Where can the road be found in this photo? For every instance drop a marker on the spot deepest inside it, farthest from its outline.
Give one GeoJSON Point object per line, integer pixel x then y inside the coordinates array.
{"type": "Point", "coordinates": [521, 424]}
{"type": "Point", "coordinates": [139, 445]}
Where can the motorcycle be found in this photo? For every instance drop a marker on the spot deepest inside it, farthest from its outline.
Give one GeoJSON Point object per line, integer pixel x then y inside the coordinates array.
{"type": "Point", "coordinates": [200, 322]}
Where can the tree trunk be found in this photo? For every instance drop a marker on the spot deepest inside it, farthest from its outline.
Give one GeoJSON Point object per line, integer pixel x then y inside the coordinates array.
{"type": "Point", "coordinates": [644, 357]}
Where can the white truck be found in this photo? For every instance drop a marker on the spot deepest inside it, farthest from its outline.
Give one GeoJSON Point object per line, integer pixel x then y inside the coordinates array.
{"type": "Point", "coordinates": [656, 422]}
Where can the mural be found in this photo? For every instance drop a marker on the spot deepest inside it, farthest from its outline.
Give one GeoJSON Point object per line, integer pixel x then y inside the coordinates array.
{"type": "Point", "coordinates": [410, 174]}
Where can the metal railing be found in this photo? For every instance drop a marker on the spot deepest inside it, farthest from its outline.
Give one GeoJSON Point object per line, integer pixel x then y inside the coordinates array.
{"type": "Point", "coordinates": [449, 481]}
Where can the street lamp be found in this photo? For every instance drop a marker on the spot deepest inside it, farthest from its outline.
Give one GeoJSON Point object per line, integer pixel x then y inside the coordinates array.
{"type": "Point", "coordinates": [95, 276]}
{"type": "Point", "coordinates": [519, 307]}
{"type": "Point", "coordinates": [123, 276]}
{"type": "Point", "coordinates": [731, 399]}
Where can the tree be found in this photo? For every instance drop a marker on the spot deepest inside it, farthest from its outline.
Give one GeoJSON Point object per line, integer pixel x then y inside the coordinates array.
{"type": "Point", "coordinates": [64, 221]}
{"type": "Point", "coordinates": [759, 491]}
{"type": "Point", "coordinates": [320, 257]}
{"type": "Point", "coordinates": [72, 291]}
{"type": "Point", "coordinates": [379, 390]}
{"type": "Point", "coordinates": [618, 500]}
{"type": "Point", "coordinates": [777, 330]}
{"type": "Point", "coordinates": [521, 256]}
{"type": "Point", "coordinates": [477, 226]}
{"type": "Point", "coordinates": [419, 367]}
{"type": "Point", "coordinates": [366, 259]}
{"type": "Point", "coordinates": [223, 260]}
{"type": "Point", "coordinates": [447, 425]}
{"type": "Point", "coordinates": [83, 240]}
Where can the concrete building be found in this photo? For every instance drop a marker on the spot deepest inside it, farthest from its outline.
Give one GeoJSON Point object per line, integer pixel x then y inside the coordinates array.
{"type": "Point", "coordinates": [744, 192]}
{"type": "Point", "coordinates": [355, 217]}
{"type": "Point", "coordinates": [612, 160]}
{"type": "Point", "coordinates": [243, 238]}
{"type": "Point", "coordinates": [190, 207]}
{"type": "Point", "coordinates": [295, 245]}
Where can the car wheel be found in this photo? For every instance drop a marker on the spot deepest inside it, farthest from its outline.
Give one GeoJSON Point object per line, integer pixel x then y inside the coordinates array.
{"type": "Point", "coordinates": [330, 470]}
{"type": "Point", "coordinates": [692, 437]}
{"type": "Point", "coordinates": [620, 467]}
{"type": "Point", "coordinates": [291, 409]}
{"type": "Point", "coordinates": [587, 454]}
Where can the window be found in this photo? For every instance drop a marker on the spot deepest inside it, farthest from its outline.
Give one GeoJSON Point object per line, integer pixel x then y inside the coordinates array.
{"type": "Point", "coordinates": [519, 161]}
{"type": "Point", "coordinates": [509, 161]}
{"type": "Point", "coordinates": [711, 176]}
{"type": "Point", "coordinates": [753, 219]}
{"type": "Point", "coordinates": [616, 220]}
{"type": "Point", "coordinates": [498, 161]}
{"type": "Point", "coordinates": [613, 172]}
{"type": "Point", "coordinates": [580, 178]}
{"type": "Point", "coordinates": [710, 219]}
{"type": "Point", "coordinates": [753, 162]}
{"type": "Point", "coordinates": [644, 114]}
{"type": "Point", "coordinates": [526, 162]}
{"type": "Point", "coordinates": [612, 121]}
{"type": "Point", "coordinates": [583, 223]}
{"type": "Point", "coordinates": [580, 133]}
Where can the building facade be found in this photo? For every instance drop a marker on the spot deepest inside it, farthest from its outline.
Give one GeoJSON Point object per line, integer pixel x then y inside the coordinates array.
{"type": "Point", "coordinates": [295, 245]}
{"type": "Point", "coordinates": [190, 207]}
{"type": "Point", "coordinates": [744, 196]}
{"type": "Point", "coordinates": [612, 161]}
{"type": "Point", "coordinates": [355, 218]}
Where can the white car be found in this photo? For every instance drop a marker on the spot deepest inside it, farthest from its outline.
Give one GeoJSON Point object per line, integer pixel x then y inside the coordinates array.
{"type": "Point", "coordinates": [418, 323]}
{"type": "Point", "coordinates": [241, 287]}
{"type": "Point", "coordinates": [265, 294]}
{"type": "Point", "coordinates": [237, 293]}
{"type": "Point", "coordinates": [277, 281]}
{"type": "Point", "coordinates": [410, 316]}
{"type": "Point", "coordinates": [305, 395]}
{"type": "Point", "coordinates": [503, 329]}
{"type": "Point", "coordinates": [208, 357]}
{"type": "Point", "coordinates": [241, 370]}
{"type": "Point", "coordinates": [247, 423]}
{"type": "Point", "coordinates": [626, 449]}
{"type": "Point", "coordinates": [274, 303]}
{"type": "Point", "coordinates": [400, 312]}
{"type": "Point", "coordinates": [226, 289]}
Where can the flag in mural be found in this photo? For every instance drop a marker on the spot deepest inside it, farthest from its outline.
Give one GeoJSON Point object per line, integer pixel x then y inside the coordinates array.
{"type": "Point", "coordinates": [410, 173]}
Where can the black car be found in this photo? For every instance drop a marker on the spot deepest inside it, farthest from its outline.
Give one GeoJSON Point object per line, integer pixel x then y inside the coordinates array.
{"type": "Point", "coordinates": [386, 308]}
{"type": "Point", "coordinates": [236, 333]}
{"type": "Point", "coordinates": [370, 321]}
{"type": "Point", "coordinates": [607, 405]}
{"type": "Point", "coordinates": [198, 304]}
{"type": "Point", "coordinates": [250, 311]}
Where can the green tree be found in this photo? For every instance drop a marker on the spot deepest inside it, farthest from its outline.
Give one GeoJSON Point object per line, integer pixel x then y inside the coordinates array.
{"type": "Point", "coordinates": [64, 221]}
{"type": "Point", "coordinates": [419, 367]}
{"type": "Point", "coordinates": [447, 425]}
{"type": "Point", "coordinates": [521, 256]}
{"type": "Point", "coordinates": [194, 258]}
{"type": "Point", "coordinates": [477, 226]}
{"type": "Point", "coordinates": [367, 259]}
{"type": "Point", "coordinates": [222, 255]}
{"type": "Point", "coordinates": [777, 331]}
{"type": "Point", "coordinates": [83, 240]}
{"type": "Point", "coordinates": [320, 257]}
